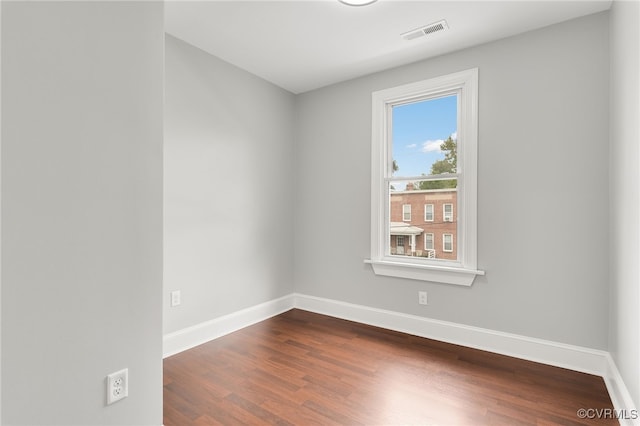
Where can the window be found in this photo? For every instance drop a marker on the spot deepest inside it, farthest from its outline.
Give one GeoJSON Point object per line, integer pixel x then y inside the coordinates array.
{"type": "Point", "coordinates": [428, 241]}
{"type": "Point", "coordinates": [428, 212]}
{"type": "Point", "coordinates": [447, 242]}
{"type": "Point", "coordinates": [406, 212]}
{"type": "Point", "coordinates": [447, 212]}
{"type": "Point", "coordinates": [424, 148]}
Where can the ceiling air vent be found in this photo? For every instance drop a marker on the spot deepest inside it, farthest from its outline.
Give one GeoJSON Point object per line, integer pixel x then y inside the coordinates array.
{"type": "Point", "coordinates": [424, 31]}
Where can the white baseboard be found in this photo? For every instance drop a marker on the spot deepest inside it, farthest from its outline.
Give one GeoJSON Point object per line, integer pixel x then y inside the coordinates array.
{"type": "Point", "coordinates": [552, 353]}
{"type": "Point", "coordinates": [628, 413]}
{"type": "Point", "coordinates": [572, 357]}
{"type": "Point", "coordinates": [187, 338]}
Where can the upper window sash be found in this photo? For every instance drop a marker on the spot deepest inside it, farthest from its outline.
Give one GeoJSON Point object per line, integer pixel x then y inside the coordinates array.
{"type": "Point", "coordinates": [465, 85]}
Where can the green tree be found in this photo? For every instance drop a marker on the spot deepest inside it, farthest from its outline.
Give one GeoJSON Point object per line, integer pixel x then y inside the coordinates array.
{"type": "Point", "coordinates": [447, 165]}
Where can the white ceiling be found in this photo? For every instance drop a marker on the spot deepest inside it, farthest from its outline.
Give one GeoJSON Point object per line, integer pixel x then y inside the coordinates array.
{"type": "Point", "coordinates": [301, 45]}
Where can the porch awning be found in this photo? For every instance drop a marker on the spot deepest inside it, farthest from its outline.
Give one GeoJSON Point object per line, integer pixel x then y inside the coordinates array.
{"type": "Point", "coordinates": [400, 228]}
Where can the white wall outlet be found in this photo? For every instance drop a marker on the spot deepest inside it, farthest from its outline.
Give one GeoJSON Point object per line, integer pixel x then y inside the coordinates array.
{"type": "Point", "coordinates": [117, 386]}
{"type": "Point", "coordinates": [422, 297]}
{"type": "Point", "coordinates": [175, 298]}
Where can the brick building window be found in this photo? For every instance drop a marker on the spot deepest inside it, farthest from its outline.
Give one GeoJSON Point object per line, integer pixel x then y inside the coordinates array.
{"type": "Point", "coordinates": [428, 241]}
{"type": "Point", "coordinates": [447, 242]}
{"type": "Point", "coordinates": [406, 212]}
{"type": "Point", "coordinates": [428, 212]}
{"type": "Point", "coordinates": [447, 212]}
{"type": "Point", "coordinates": [424, 153]}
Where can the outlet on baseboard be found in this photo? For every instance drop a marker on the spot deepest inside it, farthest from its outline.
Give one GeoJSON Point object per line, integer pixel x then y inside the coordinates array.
{"type": "Point", "coordinates": [422, 297]}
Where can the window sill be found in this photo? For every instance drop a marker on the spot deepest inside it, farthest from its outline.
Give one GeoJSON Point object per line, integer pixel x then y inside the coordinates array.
{"type": "Point", "coordinates": [439, 274]}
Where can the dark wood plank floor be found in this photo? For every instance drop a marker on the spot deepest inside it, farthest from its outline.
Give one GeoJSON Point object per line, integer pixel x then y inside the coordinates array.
{"type": "Point", "coordinates": [301, 368]}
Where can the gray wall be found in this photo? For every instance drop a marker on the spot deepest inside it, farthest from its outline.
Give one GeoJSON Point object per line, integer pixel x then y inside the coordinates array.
{"type": "Point", "coordinates": [543, 189]}
{"type": "Point", "coordinates": [624, 341]}
{"type": "Point", "coordinates": [81, 211]}
{"type": "Point", "coordinates": [228, 188]}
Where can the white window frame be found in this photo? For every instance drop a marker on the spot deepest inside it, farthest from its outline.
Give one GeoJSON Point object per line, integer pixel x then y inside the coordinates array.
{"type": "Point", "coordinates": [433, 241]}
{"type": "Point", "coordinates": [432, 211]}
{"type": "Point", "coordinates": [444, 243]}
{"type": "Point", "coordinates": [406, 211]}
{"type": "Point", "coordinates": [447, 217]}
{"type": "Point", "coordinates": [463, 271]}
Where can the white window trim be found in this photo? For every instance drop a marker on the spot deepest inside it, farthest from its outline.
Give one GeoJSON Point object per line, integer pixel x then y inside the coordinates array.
{"type": "Point", "coordinates": [463, 271]}
{"type": "Point", "coordinates": [407, 211]}
{"type": "Point", "coordinates": [433, 211]}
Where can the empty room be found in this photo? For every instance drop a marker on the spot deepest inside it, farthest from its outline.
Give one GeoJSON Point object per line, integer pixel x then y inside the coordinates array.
{"type": "Point", "coordinates": [318, 212]}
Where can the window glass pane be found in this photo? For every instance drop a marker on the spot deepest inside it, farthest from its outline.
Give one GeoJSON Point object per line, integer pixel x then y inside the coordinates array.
{"type": "Point", "coordinates": [433, 239]}
{"type": "Point", "coordinates": [424, 143]}
{"type": "Point", "coordinates": [424, 138]}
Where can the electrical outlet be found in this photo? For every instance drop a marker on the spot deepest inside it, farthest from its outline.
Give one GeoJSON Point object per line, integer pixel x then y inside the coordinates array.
{"type": "Point", "coordinates": [117, 386]}
{"type": "Point", "coordinates": [422, 297]}
{"type": "Point", "coordinates": [175, 298]}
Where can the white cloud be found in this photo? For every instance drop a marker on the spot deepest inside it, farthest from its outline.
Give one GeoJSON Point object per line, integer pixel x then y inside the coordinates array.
{"type": "Point", "coordinates": [434, 146]}
{"type": "Point", "coordinates": [431, 146]}
{"type": "Point", "coordinates": [413, 145]}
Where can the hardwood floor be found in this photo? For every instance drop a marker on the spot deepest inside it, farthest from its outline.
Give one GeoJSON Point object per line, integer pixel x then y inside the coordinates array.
{"type": "Point", "coordinates": [301, 368]}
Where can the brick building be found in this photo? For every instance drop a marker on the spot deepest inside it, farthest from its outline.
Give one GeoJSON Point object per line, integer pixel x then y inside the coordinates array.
{"type": "Point", "coordinates": [424, 223]}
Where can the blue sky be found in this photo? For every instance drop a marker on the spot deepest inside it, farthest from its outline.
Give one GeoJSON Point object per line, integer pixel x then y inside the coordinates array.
{"type": "Point", "coordinates": [418, 130]}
